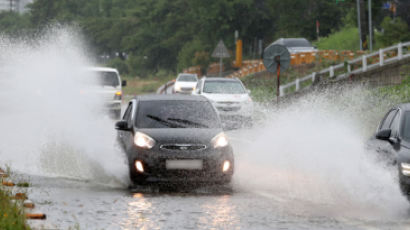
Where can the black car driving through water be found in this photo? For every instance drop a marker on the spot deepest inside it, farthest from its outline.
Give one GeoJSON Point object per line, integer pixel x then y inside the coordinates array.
{"type": "Point", "coordinates": [392, 142]}
{"type": "Point", "coordinates": [175, 139]}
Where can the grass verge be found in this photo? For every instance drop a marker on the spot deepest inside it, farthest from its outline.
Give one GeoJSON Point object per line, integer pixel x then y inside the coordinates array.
{"type": "Point", "coordinates": [137, 86]}
{"type": "Point", "coordinates": [11, 215]}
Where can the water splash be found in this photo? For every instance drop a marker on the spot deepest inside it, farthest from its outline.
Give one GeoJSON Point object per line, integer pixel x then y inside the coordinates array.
{"type": "Point", "coordinates": [312, 154]}
{"type": "Point", "coordinates": [50, 124]}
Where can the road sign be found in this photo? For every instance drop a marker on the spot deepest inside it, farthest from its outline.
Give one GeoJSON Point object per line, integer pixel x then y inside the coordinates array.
{"type": "Point", "coordinates": [220, 51]}
{"type": "Point", "coordinates": [275, 58]}
{"type": "Point", "coordinates": [276, 54]}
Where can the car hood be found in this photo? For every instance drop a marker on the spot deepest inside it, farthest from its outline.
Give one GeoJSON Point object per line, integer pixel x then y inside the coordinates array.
{"type": "Point", "coordinates": [185, 84]}
{"type": "Point", "coordinates": [181, 136]}
{"type": "Point", "coordinates": [226, 97]}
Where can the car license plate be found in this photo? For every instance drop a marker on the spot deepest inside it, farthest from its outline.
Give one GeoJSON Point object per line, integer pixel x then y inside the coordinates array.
{"type": "Point", "coordinates": [184, 164]}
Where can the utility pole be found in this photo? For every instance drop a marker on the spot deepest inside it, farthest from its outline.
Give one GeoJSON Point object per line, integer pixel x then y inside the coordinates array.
{"type": "Point", "coordinates": [359, 24]}
{"type": "Point", "coordinates": [370, 26]}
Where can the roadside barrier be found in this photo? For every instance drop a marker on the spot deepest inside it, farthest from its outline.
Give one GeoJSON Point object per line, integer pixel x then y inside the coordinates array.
{"type": "Point", "coordinates": [28, 204]}
{"type": "Point", "coordinates": [360, 64]}
{"type": "Point", "coordinates": [8, 183]}
{"type": "Point", "coordinates": [164, 88]}
{"type": "Point", "coordinates": [23, 197]}
{"type": "Point", "coordinates": [20, 196]}
{"type": "Point", "coordinates": [36, 216]}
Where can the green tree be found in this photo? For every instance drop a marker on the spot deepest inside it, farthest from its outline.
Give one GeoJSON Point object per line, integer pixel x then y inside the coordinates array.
{"type": "Point", "coordinates": [393, 31]}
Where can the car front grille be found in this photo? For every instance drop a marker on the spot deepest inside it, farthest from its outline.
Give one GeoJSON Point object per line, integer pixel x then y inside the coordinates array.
{"type": "Point", "coordinates": [182, 147]}
{"type": "Point", "coordinates": [223, 108]}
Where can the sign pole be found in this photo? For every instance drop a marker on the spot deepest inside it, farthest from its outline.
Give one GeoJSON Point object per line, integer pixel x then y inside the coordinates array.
{"type": "Point", "coordinates": [276, 58]}
{"type": "Point", "coordinates": [220, 52]}
{"type": "Point", "coordinates": [277, 83]}
{"type": "Point", "coordinates": [220, 67]}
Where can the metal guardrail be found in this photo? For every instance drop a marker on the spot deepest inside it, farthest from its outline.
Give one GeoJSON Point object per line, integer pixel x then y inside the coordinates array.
{"type": "Point", "coordinates": [164, 88]}
{"type": "Point", "coordinates": [360, 64]}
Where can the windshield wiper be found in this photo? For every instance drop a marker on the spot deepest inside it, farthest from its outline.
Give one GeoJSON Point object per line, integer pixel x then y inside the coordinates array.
{"type": "Point", "coordinates": [188, 122]}
{"type": "Point", "coordinates": [164, 122]}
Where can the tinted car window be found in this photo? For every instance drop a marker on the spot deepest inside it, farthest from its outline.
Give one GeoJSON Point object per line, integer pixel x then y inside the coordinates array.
{"type": "Point", "coordinates": [297, 43]}
{"type": "Point", "coordinates": [224, 87]}
{"type": "Point", "coordinates": [388, 119]}
{"type": "Point", "coordinates": [176, 114]}
{"type": "Point", "coordinates": [127, 112]}
{"type": "Point", "coordinates": [405, 130]}
{"type": "Point", "coordinates": [187, 77]}
{"type": "Point", "coordinates": [108, 79]}
{"type": "Point", "coordinates": [395, 124]}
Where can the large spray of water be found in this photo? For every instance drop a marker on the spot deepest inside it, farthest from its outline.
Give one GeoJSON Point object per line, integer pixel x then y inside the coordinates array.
{"type": "Point", "coordinates": [312, 154]}
{"type": "Point", "coordinates": [52, 125]}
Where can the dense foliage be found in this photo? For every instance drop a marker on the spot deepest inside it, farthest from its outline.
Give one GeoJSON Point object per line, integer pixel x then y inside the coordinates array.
{"type": "Point", "coordinates": [145, 36]}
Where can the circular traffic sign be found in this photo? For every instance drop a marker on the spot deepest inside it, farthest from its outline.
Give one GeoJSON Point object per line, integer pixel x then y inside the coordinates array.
{"type": "Point", "coordinates": [276, 54]}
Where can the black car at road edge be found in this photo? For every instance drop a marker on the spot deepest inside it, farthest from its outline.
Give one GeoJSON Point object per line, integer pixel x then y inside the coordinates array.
{"type": "Point", "coordinates": [175, 139]}
{"type": "Point", "coordinates": [392, 141]}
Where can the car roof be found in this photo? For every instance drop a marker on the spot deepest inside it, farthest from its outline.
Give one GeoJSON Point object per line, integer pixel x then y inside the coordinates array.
{"type": "Point", "coordinates": [188, 74]}
{"type": "Point", "coordinates": [286, 41]}
{"type": "Point", "coordinates": [220, 79]}
{"type": "Point", "coordinates": [170, 97]}
{"type": "Point", "coordinates": [107, 69]}
{"type": "Point", "coordinates": [404, 106]}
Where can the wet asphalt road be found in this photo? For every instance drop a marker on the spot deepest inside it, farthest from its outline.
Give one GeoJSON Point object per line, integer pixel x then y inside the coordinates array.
{"type": "Point", "coordinates": [79, 204]}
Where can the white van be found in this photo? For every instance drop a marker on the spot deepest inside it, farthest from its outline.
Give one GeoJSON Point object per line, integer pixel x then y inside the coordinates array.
{"type": "Point", "coordinates": [110, 88]}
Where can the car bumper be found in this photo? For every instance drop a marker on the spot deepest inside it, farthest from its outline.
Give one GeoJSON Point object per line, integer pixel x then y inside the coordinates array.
{"type": "Point", "coordinates": [185, 91]}
{"type": "Point", "coordinates": [114, 105]}
{"type": "Point", "coordinates": [239, 110]}
{"type": "Point", "coordinates": [155, 169]}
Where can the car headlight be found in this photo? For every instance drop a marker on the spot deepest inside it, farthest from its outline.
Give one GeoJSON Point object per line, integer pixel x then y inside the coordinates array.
{"type": "Point", "coordinates": [405, 169]}
{"type": "Point", "coordinates": [220, 140]}
{"type": "Point", "coordinates": [118, 95]}
{"type": "Point", "coordinates": [177, 87]}
{"type": "Point", "coordinates": [143, 140]}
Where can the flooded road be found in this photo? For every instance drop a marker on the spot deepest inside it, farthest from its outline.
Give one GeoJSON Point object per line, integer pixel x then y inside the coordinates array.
{"type": "Point", "coordinates": [303, 166]}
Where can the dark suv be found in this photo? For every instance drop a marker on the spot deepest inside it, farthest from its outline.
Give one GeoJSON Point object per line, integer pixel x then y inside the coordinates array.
{"type": "Point", "coordinates": [392, 141]}
{"type": "Point", "coordinates": [175, 139]}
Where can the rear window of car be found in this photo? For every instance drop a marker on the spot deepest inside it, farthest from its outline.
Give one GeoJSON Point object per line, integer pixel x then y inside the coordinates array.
{"type": "Point", "coordinates": [297, 43]}
{"type": "Point", "coordinates": [187, 77]}
{"type": "Point", "coordinates": [176, 114]}
{"type": "Point", "coordinates": [224, 87]}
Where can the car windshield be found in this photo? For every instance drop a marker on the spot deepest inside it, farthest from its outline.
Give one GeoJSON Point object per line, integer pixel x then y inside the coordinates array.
{"type": "Point", "coordinates": [187, 77]}
{"type": "Point", "coordinates": [405, 130]}
{"type": "Point", "coordinates": [224, 87]}
{"type": "Point", "coordinates": [297, 43]}
{"type": "Point", "coordinates": [176, 114]}
{"type": "Point", "coordinates": [105, 78]}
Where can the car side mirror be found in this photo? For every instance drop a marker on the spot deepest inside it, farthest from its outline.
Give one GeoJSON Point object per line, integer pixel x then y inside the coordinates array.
{"type": "Point", "coordinates": [383, 134]}
{"type": "Point", "coordinates": [122, 125]}
{"type": "Point", "coordinates": [249, 91]}
{"type": "Point", "coordinates": [124, 83]}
